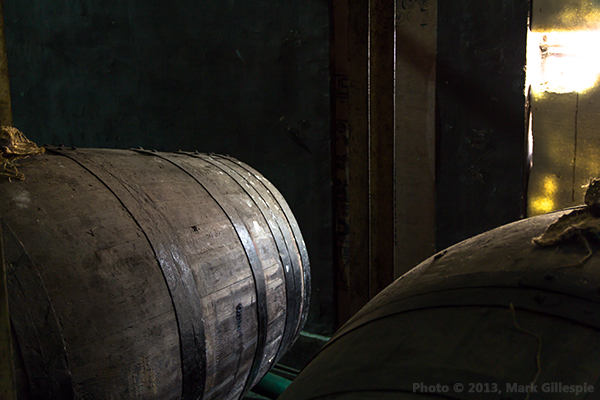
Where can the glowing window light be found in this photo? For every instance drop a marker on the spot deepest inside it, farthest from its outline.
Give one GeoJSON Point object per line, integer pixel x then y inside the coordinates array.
{"type": "Point", "coordinates": [544, 199]}
{"type": "Point", "coordinates": [550, 185]}
{"type": "Point", "coordinates": [542, 206]}
{"type": "Point", "coordinates": [563, 61]}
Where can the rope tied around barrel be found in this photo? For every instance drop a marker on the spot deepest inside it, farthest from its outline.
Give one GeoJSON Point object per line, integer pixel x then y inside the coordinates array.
{"type": "Point", "coordinates": [581, 224]}
{"type": "Point", "coordinates": [14, 146]}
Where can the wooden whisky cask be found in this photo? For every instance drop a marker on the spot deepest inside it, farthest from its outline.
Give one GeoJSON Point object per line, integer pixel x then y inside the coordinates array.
{"type": "Point", "coordinates": [148, 275]}
{"type": "Point", "coordinates": [488, 318]}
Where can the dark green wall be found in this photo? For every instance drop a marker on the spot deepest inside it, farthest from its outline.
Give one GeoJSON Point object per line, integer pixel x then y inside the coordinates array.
{"type": "Point", "coordinates": [244, 78]}
{"type": "Point", "coordinates": [480, 111]}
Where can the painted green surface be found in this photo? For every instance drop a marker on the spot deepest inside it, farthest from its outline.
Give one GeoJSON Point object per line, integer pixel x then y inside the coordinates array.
{"type": "Point", "coordinates": [271, 386]}
{"type": "Point", "coordinates": [480, 116]}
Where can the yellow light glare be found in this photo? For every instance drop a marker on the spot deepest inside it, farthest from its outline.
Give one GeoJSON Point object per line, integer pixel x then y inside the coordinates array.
{"type": "Point", "coordinates": [542, 205]}
{"type": "Point", "coordinates": [550, 185]}
{"type": "Point", "coordinates": [563, 62]}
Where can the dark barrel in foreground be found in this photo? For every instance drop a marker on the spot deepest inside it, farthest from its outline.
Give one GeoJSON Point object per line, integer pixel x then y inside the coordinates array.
{"type": "Point", "coordinates": [493, 317]}
{"type": "Point", "coordinates": [148, 275]}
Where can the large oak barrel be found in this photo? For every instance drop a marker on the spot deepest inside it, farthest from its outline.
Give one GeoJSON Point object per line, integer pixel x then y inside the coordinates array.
{"type": "Point", "coordinates": [146, 275]}
{"type": "Point", "coordinates": [493, 317]}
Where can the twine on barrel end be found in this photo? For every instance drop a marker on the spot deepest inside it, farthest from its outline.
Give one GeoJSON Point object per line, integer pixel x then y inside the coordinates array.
{"type": "Point", "coordinates": [538, 357]}
{"type": "Point", "coordinates": [579, 224]}
{"type": "Point", "coordinates": [14, 146]}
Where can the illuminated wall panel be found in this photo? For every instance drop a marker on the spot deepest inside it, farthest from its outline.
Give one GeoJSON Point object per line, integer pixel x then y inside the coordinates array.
{"type": "Point", "coordinates": [563, 67]}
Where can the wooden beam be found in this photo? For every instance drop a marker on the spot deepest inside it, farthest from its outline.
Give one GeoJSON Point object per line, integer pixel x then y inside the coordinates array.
{"type": "Point", "coordinates": [363, 150]}
{"type": "Point", "coordinates": [5, 103]}
{"type": "Point", "coordinates": [339, 157]}
{"type": "Point", "coordinates": [416, 28]}
{"type": "Point", "coordinates": [350, 135]}
{"type": "Point", "coordinates": [358, 155]}
{"type": "Point", "coordinates": [7, 377]}
{"type": "Point", "coordinates": [381, 144]}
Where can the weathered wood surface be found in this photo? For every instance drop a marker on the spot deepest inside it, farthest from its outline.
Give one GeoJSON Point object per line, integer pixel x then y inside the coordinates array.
{"type": "Point", "coordinates": [414, 190]}
{"type": "Point", "coordinates": [350, 152]}
{"type": "Point", "coordinates": [451, 320]}
{"type": "Point", "coordinates": [381, 147]}
{"type": "Point", "coordinates": [363, 152]}
{"type": "Point", "coordinates": [159, 275]}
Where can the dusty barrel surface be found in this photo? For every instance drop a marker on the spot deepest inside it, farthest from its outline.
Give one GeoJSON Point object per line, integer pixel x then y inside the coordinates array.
{"type": "Point", "coordinates": [488, 318]}
{"type": "Point", "coordinates": [148, 275]}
